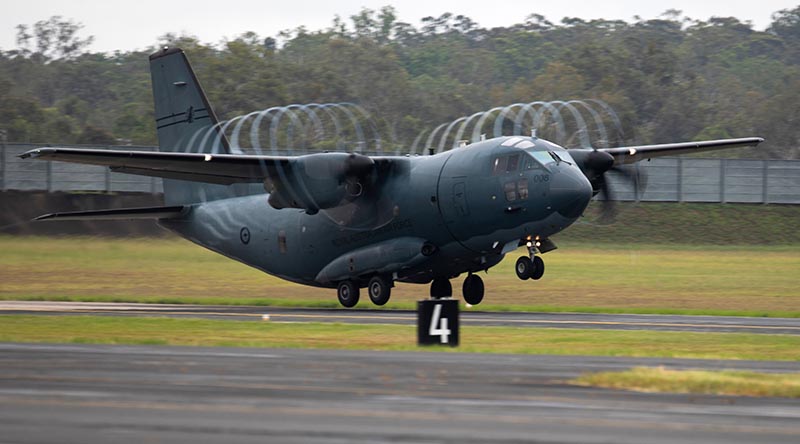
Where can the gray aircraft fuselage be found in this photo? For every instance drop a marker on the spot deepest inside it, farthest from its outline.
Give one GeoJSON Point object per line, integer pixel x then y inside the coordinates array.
{"type": "Point", "coordinates": [472, 205]}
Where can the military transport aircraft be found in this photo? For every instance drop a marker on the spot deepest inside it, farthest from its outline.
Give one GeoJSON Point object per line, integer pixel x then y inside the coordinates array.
{"type": "Point", "coordinates": [350, 221]}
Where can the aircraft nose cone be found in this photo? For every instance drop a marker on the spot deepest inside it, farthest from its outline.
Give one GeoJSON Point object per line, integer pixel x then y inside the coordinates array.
{"type": "Point", "coordinates": [570, 193]}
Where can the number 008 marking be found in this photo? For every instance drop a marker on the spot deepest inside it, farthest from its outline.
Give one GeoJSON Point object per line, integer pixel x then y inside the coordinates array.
{"type": "Point", "coordinates": [439, 325]}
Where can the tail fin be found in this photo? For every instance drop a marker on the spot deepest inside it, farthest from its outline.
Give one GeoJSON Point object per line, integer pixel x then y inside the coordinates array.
{"type": "Point", "coordinates": [185, 122]}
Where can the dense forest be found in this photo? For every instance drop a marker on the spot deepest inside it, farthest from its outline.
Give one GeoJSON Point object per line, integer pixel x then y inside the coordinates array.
{"type": "Point", "coordinates": [669, 79]}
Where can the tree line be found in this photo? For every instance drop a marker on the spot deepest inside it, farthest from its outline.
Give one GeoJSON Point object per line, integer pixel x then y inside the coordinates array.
{"type": "Point", "coordinates": [669, 79]}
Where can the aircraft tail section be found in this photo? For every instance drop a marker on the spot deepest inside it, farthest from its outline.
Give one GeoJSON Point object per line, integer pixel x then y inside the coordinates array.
{"type": "Point", "coordinates": [185, 122]}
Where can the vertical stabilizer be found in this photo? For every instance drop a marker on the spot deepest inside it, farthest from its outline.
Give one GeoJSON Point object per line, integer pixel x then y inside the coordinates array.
{"type": "Point", "coordinates": [185, 122]}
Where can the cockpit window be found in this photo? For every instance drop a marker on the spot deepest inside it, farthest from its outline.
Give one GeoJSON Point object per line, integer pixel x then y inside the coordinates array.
{"type": "Point", "coordinates": [505, 164]}
{"type": "Point", "coordinates": [565, 156]}
{"type": "Point", "coordinates": [531, 164]}
{"type": "Point", "coordinates": [525, 144]}
{"type": "Point", "coordinates": [499, 165]}
{"type": "Point", "coordinates": [513, 163]}
{"type": "Point", "coordinates": [512, 141]}
{"type": "Point", "coordinates": [543, 157]}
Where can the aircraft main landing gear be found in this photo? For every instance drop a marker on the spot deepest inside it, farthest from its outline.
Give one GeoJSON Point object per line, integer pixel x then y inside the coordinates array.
{"type": "Point", "coordinates": [441, 288]}
{"type": "Point", "coordinates": [473, 289]}
{"type": "Point", "coordinates": [379, 290]}
{"type": "Point", "coordinates": [347, 292]}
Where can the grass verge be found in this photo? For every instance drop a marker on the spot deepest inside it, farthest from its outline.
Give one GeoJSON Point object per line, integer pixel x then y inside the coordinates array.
{"type": "Point", "coordinates": [201, 332]}
{"type": "Point", "coordinates": [659, 379]}
{"type": "Point", "coordinates": [673, 279]}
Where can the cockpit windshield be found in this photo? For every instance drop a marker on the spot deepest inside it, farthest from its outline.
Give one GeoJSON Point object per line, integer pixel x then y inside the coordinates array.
{"type": "Point", "coordinates": [543, 157]}
{"type": "Point", "coordinates": [544, 154]}
{"type": "Point", "coordinates": [564, 156]}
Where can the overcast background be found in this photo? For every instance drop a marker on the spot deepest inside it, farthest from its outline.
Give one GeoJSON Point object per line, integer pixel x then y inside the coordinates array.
{"type": "Point", "coordinates": [128, 25]}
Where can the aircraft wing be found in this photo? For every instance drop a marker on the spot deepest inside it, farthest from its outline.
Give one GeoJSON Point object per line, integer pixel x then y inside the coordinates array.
{"type": "Point", "coordinates": [311, 182]}
{"type": "Point", "coordinates": [631, 154]}
{"type": "Point", "coordinates": [223, 169]}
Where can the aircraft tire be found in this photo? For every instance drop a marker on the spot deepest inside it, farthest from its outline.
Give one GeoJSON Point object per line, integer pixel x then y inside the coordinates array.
{"type": "Point", "coordinates": [441, 288]}
{"type": "Point", "coordinates": [379, 290]}
{"type": "Point", "coordinates": [524, 267]}
{"type": "Point", "coordinates": [347, 292]}
{"type": "Point", "coordinates": [538, 268]}
{"type": "Point", "coordinates": [473, 289]}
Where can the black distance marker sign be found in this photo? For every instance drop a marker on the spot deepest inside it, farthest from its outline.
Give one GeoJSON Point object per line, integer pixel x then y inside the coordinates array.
{"type": "Point", "coordinates": [437, 322]}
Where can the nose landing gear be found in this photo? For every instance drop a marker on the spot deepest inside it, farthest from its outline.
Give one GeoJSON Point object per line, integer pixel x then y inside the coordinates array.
{"type": "Point", "coordinates": [529, 268]}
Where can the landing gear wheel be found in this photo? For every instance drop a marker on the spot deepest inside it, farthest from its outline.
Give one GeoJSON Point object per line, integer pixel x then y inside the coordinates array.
{"type": "Point", "coordinates": [473, 289]}
{"type": "Point", "coordinates": [524, 267]}
{"type": "Point", "coordinates": [441, 288]}
{"type": "Point", "coordinates": [379, 290]}
{"type": "Point", "coordinates": [347, 291]}
{"type": "Point", "coordinates": [538, 268]}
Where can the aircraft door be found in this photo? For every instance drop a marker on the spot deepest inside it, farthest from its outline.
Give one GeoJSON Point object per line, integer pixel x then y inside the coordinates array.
{"type": "Point", "coordinates": [460, 199]}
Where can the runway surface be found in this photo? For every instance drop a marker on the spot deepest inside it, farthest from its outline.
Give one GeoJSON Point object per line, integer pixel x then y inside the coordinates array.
{"type": "Point", "coordinates": [133, 394]}
{"type": "Point", "coordinates": [468, 317]}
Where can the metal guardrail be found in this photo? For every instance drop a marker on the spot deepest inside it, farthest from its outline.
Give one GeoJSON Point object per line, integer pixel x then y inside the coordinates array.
{"type": "Point", "coordinates": [678, 179]}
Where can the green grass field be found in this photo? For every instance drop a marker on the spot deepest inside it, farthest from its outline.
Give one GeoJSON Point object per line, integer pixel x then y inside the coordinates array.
{"type": "Point", "coordinates": [170, 331]}
{"type": "Point", "coordinates": [647, 379]}
{"type": "Point", "coordinates": [637, 278]}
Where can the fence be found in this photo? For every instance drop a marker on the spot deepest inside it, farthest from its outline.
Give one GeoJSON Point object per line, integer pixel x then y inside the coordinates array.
{"type": "Point", "coordinates": [668, 179]}
{"type": "Point", "coordinates": [28, 175]}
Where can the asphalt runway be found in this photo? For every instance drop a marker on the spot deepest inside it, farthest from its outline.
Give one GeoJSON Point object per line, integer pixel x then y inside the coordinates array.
{"type": "Point", "coordinates": [131, 394]}
{"type": "Point", "coordinates": [468, 317]}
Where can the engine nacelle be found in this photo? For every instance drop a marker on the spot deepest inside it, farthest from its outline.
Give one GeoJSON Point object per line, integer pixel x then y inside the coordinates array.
{"type": "Point", "coordinates": [318, 181]}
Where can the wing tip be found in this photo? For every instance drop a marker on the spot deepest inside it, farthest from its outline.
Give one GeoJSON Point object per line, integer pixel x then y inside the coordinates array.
{"type": "Point", "coordinates": [36, 152]}
{"type": "Point", "coordinates": [44, 217]}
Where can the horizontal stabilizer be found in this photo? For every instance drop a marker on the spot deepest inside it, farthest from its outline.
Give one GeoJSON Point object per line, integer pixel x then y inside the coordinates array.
{"type": "Point", "coordinates": [119, 214]}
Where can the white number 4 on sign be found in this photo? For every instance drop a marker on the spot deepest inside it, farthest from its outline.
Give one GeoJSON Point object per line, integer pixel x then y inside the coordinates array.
{"type": "Point", "coordinates": [439, 325]}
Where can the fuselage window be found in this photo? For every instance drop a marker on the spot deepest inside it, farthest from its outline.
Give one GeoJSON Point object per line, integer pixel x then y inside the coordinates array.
{"type": "Point", "coordinates": [510, 189]}
{"type": "Point", "coordinates": [522, 188]}
{"type": "Point", "coordinates": [282, 242]}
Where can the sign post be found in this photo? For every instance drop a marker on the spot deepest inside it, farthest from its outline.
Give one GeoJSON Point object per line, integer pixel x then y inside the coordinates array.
{"type": "Point", "coordinates": [437, 322]}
